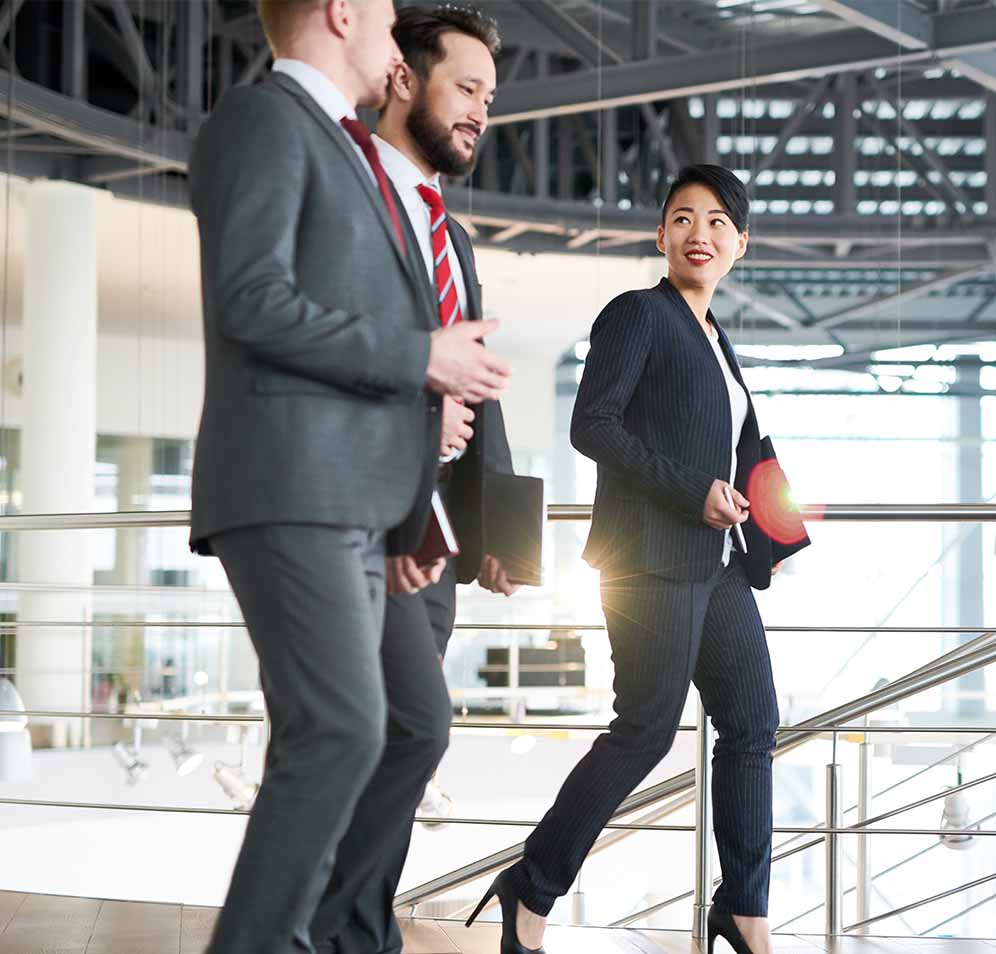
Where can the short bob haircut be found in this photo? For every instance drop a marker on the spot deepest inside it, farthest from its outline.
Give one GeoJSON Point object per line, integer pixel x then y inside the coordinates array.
{"type": "Point", "coordinates": [724, 184]}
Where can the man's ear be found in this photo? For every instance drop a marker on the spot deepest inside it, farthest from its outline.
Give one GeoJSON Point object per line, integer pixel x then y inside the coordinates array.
{"type": "Point", "coordinates": [403, 83]}
{"type": "Point", "coordinates": [339, 17]}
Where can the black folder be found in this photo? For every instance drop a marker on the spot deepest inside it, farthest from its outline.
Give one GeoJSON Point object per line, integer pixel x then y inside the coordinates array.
{"type": "Point", "coordinates": [792, 536]}
{"type": "Point", "coordinates": [513, 525]}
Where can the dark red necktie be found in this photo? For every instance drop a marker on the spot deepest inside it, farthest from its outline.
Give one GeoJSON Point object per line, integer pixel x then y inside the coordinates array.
{"type": "Point", "coordinates": [361, 136]}
{"type": "Point", "coordinates": [449, 301]}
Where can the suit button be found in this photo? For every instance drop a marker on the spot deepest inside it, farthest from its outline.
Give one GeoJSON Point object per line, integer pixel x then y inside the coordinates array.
{"type": "Point", "coordinates": [433, 408]}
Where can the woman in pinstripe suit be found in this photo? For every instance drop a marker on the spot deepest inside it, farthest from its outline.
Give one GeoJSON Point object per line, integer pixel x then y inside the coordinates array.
{"type": "Point", "coordinates": [664, 412]}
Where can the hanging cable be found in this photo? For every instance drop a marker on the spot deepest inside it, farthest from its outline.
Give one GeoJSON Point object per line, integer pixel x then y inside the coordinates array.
{"type": "Point", "coordinates": [899, 183]}
{"type": "Point", "coordinates": [8, 502]}
{"type": "Point", "coordinates": [600, 153]}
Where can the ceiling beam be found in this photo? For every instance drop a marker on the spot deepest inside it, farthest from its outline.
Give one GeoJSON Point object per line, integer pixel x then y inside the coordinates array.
{"type": "Point", "coordinates": [255, 66]}
{"type": "Point", "coordinates": [979, 67]}
{"type": "Point", "coordinates": [588, 47]}
{"type": "Point", "coordinates": [902, 297]}
{"type": "Point", "coordinates": [911, 28]}
{"type": "Point", "coordinates": [898, 22]}
{"type": "Point", "coordinates": [8, 14]}
{"type": "Point", "coordinates": [803, 110]}
{"type": "Point", "coordinates": [693, 74]}
{"type": "Point", "coordinates": [744, 296]}
{"type": "Point", "coordinates": [84, 125]}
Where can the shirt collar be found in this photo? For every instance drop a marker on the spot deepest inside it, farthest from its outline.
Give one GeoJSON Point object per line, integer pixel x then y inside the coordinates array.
{"type": "Point", "coordinates": [404, 173]}
{"type": "Point", "coordinates": [319, 87]}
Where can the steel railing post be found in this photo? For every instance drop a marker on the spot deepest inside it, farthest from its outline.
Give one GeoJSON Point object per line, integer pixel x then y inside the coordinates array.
{"type": "Point", "coordinates": [703, 823]}
{"type": "Point", "coordinates": [835, 817]}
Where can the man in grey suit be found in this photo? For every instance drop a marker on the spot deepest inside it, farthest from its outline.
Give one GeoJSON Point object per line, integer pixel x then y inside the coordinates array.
{"type": "Point", "coordinates": [319, 433]}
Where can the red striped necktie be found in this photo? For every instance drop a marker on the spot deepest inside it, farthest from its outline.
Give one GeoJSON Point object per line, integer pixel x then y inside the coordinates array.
{"type": "Point", "coordinates": [361, 136]}
{"type": "Point", "coordinates": [449, 301]}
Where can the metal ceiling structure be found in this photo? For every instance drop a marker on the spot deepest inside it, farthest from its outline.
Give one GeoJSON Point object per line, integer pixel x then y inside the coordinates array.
{"type": "Point", "coordinates": [865, 130]}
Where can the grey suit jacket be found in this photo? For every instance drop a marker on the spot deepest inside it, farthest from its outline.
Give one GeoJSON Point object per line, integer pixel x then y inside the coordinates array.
{"type": "Point", "coordinates": [316, 328]}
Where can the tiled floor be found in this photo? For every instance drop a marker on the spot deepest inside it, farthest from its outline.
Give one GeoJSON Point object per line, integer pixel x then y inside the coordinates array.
{"type": "Point", "coordinates": [42, 924]}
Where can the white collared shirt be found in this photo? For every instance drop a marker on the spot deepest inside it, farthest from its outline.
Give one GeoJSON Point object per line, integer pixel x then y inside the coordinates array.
{"type": "Point", "coordinates": [738, 415]}
{"type": "Point", "coordinates": [323, 91]}
{"type": "Point", "coordinates": [407, 177]}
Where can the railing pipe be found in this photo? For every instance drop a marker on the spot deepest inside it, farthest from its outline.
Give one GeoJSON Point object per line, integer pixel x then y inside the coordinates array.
{"type": "Point", "coordinates": [678, 784]}
{"type": "Point", "coordinates": [863, 881]}
{"type": "Point", "coordinates": [810, 512]}
{"type": "Point", "coordinates": [913, 905]}
{"type": "Point", "coordinates": [834, 898]}
{"type": "Point", "coordinates": [703, 824]}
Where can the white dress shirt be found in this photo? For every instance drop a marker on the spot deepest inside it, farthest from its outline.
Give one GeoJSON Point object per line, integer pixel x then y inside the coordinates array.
{"type": "Point", "coordinates": [328, 96]}
{"type": "Point", "coordinates": [738, 414]}
{"type": "Point", "coordinates": [407, 177]}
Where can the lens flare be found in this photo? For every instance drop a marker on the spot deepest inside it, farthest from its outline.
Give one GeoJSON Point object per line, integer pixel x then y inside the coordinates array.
{"type": "Point", "coordinates": [772, 506]}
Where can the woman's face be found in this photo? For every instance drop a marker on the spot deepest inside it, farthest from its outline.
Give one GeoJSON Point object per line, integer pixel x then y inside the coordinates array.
{"type": "Point", "coordinates": [699, 238]}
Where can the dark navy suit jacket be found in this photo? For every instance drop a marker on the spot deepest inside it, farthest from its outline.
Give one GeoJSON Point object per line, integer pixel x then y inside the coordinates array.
{"type": "Point", "coordinates": [653, 412]}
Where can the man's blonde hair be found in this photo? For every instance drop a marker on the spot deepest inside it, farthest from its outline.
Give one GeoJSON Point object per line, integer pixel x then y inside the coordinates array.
{"type": "Point", "coordinates": [280, 19]}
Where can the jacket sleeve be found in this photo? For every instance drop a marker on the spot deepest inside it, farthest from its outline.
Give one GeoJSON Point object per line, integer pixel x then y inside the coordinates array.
{"type": "Point", "coordinates": [248, 186]}
{"type": "Point", "coordinates": [620, 346]}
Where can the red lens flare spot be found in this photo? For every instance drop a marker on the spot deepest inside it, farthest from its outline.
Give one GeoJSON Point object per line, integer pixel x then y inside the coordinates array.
{"type": "Point", "coordinates": [772, 506]}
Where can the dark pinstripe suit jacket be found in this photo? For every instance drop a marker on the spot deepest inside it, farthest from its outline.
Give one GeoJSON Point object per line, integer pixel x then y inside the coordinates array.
{"type": "Point", "coordinates": [653, 412]}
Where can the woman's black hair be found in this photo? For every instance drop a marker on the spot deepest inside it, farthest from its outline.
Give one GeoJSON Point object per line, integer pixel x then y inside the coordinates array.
{"type": "Point", "coordinates": [727, 187]}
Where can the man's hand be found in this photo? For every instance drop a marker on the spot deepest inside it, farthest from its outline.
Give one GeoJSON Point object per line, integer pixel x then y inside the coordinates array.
{"type": "Point", "coordinates": [717, 513]}
{"type": "Point", "coordinates": [776, 569]}
{"type": "Point", "coordinates": [404, 575]}
{"type": "Point", "coordinates": [492, 577]}
{"type": "Point", "coordinates": [456, 427]}
{"type": "Point", "coordinates": [461, 366]}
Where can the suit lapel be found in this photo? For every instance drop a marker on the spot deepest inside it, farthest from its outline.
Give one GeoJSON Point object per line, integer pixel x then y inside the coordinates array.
{"type": "Point", "coordinates": [344, 144]}
{"type": "Point", "coordinates": [465, 255]}
{"type": "Point", "coordinates": [416, 264]}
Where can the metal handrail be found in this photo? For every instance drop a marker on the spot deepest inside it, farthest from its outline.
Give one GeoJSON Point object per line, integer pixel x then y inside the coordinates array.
{"type": "Point", "coordinates": [138, 716]}
{"type": "Point", "coordinates": [919, 904]}
{"type": "Point", "coordinates": [881, 874]}
{"type": "Point", "coordinates": [481, 627]}
{"type": "Point", "coordinates": [955, 653]}
{"type": "Point", "coordinates": [148, 519]}
{"type": "Point", "coordinates": [519, 727]}
{"type": "Point", "coordinates": [896, 691]}
{"type": "Point", "coordinates": [916, 513]}
{"type": "Point", "coordinates": [960, 914]}
{"type": "Point", "coordinates": [684, 896]}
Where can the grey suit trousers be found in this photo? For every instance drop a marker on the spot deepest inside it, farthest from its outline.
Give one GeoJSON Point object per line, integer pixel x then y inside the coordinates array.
{"type": "Point", "coordinates": [313, 601]}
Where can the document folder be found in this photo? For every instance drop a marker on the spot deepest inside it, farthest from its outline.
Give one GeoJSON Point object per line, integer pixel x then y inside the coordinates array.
{"type": "Point", "coordinates": [439, 539]}
{"type": "Point", "coordinates": [513, 525]}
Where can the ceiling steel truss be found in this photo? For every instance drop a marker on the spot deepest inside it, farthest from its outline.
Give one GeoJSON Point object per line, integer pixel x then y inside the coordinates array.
{"type": "Point", "coordinates": [865, 131]}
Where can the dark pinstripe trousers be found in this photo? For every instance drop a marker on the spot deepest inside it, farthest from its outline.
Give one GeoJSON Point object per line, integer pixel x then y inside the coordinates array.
{"type": "Point", "coordinates": [665, 634]}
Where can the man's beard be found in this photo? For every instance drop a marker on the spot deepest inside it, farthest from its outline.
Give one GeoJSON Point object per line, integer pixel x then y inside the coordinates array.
{"type": "Point", "coordinates": [435, 142]}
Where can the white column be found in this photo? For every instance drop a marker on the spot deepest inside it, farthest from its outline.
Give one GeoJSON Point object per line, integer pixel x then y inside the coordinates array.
{"type": "Point", "coordinates": [58, 443]}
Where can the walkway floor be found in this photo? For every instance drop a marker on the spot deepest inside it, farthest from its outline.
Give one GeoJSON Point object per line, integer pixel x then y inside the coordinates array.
{"type": "Point", "coordinates": [43, 924]}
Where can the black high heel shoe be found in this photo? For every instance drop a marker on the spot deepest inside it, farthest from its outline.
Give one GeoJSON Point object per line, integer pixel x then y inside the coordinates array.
{"type": "Point", "coordinates": [721, 924]}
{"type": "Point", "coordinates": [509, 906]}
